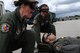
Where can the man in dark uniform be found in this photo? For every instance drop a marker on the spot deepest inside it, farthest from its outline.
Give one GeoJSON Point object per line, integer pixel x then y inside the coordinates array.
{"type": "Point", "coordinates": [43, 22]}
{"type": "Point", "coordinates": [13, 33]}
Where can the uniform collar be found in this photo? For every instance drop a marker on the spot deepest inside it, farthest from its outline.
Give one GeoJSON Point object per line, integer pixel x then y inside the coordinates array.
{"type": "Point", "coordinates": [17, 13]}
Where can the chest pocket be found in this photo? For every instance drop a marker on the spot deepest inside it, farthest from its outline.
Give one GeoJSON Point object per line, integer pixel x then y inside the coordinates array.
{"type": "Point", "coordinates": [45, 22]}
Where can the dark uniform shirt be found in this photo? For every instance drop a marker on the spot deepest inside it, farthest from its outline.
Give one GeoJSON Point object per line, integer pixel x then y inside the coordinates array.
{"type": "Point", "coordinates": [11, 26]}
{"type": "Point", "coordinates": [44, 25]}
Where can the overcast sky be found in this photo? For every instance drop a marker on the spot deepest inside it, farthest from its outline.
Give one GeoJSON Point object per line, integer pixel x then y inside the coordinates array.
{"type": "Point", "coordinates": [60, 7]}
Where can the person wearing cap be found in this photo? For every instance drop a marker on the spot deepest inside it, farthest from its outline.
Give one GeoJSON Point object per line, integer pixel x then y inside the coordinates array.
{"type": "Point", "coordinates": [43, 23]}
{"type": "Point", "coordinates": [13, 32]}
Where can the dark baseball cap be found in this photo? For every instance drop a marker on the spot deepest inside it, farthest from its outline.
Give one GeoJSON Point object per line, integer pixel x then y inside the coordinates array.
{"type": "Point", "coordinates": [31, 3]}
{"type": "Point", "coordinates": [45, 9]}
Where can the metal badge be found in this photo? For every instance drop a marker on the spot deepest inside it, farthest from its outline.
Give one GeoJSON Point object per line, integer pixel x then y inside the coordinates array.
{"type": "Point", "coordinates": [18, 31]}
{"type": "Point", "coordinates": [23, 27]}
{"type": "Point", "coordinates": [58, 47]}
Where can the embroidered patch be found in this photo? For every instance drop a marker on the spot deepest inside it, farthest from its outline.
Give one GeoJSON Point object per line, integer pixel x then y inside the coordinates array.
{"type": "Point", "coordinates": [4, 27]}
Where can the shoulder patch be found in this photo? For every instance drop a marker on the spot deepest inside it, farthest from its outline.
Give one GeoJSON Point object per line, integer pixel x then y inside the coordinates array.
{"type": "Point", "coordinates": [4, 27]}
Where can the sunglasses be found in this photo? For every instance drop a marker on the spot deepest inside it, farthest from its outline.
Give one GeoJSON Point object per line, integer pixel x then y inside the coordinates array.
{"type": "Point", "coordinates": [45, 10]}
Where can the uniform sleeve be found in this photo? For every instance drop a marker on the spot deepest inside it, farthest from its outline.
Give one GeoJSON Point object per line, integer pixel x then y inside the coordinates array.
{"type": "Point", "coordinates": [5, 34]}
{"type": "Point", "coordinates": [52, 17]}
{"type": "Point", "coordinates": [5, 26]}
